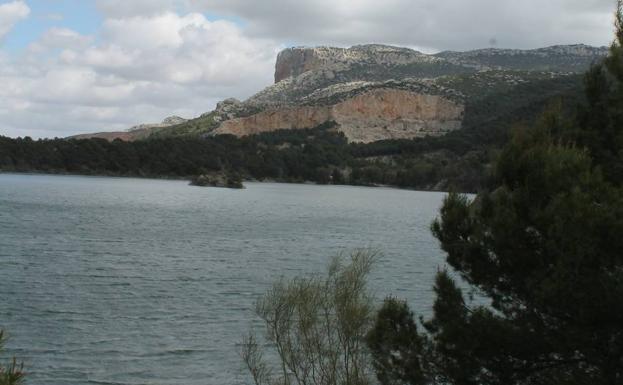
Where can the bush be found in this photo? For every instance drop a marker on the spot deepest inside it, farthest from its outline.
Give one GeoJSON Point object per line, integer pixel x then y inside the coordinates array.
{"type": "Point", "coordinates": [317, 327]}
{"type": "Point", "coordinates": [11, 374]}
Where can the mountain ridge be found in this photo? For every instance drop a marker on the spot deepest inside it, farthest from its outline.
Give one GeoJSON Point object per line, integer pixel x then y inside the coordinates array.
{"type": "Point", "coordinates": [313, 79]}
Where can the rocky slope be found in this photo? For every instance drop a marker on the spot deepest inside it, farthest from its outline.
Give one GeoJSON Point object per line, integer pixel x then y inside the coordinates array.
{"type": "Point", "coordinates": [375, 113]}
{"type": "Point", "coordinates": [376, 92]}
{"type": "Point", "coordinates": [141, 131]}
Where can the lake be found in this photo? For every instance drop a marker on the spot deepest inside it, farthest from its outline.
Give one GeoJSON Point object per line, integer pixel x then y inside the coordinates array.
{"type": "Point", "coordinates": [138, 281]}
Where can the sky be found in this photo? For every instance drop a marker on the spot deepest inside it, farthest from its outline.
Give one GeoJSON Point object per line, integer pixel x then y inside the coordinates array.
{"type": "Point", "coordinates": [76, 66]}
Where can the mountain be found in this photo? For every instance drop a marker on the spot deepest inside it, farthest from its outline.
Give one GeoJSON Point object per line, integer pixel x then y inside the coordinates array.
{"type": "Point", "coordinates": [378, 92]}
{"type": "Point", "coordinates": [141, 131]}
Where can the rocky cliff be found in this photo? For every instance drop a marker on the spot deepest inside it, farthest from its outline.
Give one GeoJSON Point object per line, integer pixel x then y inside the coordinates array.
{"type": "Point", "coordinates": [374, 114]}
{"type": "Point", "coordinates": [298, 60]}
{"type": "Point", "coordinates": [375, 92]}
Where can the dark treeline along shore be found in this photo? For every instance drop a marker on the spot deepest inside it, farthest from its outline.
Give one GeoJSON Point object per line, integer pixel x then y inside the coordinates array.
{"type": "Point", "coordinates": [459, 160]}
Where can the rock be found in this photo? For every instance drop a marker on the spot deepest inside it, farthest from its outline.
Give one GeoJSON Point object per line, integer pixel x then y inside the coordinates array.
{"type": "Point", "coordinates": [218, 179]}
{"type": "Point", "coordinates": [172, 121]}
{"type": "Point", "coordinates": [167, 122]}
{"type": "Point", "coordinates": [377, 92]}
{"type": "Point", "coordinates": [295, 61]}
{"type": "Point", "coordinates": [376, 114]}
{"type": "Point", "coordinates": [228, 109]}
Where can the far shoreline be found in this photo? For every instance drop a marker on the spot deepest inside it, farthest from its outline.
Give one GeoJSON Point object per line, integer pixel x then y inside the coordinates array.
{"type": "Point", "coordinates": [187, 179]}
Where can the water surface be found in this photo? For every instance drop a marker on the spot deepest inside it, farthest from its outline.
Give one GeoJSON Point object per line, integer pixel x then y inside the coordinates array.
{"type": "Point", "coordinates": [135, 281]}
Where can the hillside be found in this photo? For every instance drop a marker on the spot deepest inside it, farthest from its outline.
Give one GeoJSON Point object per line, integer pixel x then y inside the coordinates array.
{"type": "Point", "coordinates": [458, 160]}
{"type": "Point", "coordinates": [378, 92]}
{"type": "Point", "coordinates": [369, 115]}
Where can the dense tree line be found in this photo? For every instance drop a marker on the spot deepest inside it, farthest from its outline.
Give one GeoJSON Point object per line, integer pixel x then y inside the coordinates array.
{"type": "Point", "coordinates": [308, 155]}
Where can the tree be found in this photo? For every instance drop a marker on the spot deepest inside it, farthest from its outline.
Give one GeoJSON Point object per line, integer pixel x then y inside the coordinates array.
{"type": "Point", "coordinates": [601, 120]}
{"type": "Point", "coordinates": [317, 326]}
{"type": "Point", "coordinates": [11, 374]}
{"type": "Point", "coordinates": [398, 351]}
{"type": "Point", "coordinates": [543, 245]}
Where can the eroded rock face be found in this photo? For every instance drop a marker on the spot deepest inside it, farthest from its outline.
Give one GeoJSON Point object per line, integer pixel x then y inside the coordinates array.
{"type": "Point", "coordinates": [293, 62]}
{"type": "Point", "coordinates": [394, 114]}
{"type": "Point", "coordinates": [374, 115]}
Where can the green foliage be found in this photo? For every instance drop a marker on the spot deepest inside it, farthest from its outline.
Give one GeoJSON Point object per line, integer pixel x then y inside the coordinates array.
{"type": "Point", "coordinates": [317, 327]}
{"type": "Point", "coordinates": [194, 127]}
{"type": "Point", "coordinates": [13, 373]}
{"type": "Point", "coordinates": [542, 244]}
{"type": "Point", "coordinates": [601, 120]}
{"type": "Point", "coordinates": [396, 347]}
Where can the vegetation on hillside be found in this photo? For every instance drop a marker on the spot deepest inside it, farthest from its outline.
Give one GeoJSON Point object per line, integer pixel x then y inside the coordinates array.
{"type": "Point", "coordinates": [459, 160]}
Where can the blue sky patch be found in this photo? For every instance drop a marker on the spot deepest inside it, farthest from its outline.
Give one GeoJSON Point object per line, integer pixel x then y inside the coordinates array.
{"type": "Point", "coordinates": [78, 15]}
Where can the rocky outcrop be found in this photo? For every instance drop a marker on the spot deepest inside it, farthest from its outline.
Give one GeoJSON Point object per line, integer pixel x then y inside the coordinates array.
{"type": "Point", "coordinates": [167, 122]}
{"type": "Point", "coordinates": [138, 132]}
{"type": "Point", "coordinates": [293, 62]}
{"type": "Point", "coordinates": [558, 58]}
{"type": "Point", "coordinates": [395, 114]}
{"type": "Point", "coordinates": [375, 92]}
{"type": "Point", "coordinates": [377, 114]}
{"type": "Point", "coordinates": [218, 179]}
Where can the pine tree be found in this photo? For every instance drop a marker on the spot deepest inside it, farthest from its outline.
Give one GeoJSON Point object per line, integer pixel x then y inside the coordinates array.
{"type": "Point", "coordinates": [544, 245]}
{"type": "Point", "coordinates": [601, 120]}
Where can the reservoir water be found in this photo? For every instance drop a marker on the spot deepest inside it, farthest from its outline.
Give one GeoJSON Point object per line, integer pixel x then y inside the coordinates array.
{"type": "Point", "coordinates": [136, 281]}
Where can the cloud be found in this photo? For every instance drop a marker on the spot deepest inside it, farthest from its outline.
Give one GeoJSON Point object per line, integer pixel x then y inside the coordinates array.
{"type": "Point", "coordinates": [140, 69]}
{"type": "Point", "coordinates": [439, 24]}
{"type": "Point", "coordinates": [10, 14]}
{"type": "Point", "coordinates": [62, 38]}
{"type": "Point", "coordinates": [128, 8]}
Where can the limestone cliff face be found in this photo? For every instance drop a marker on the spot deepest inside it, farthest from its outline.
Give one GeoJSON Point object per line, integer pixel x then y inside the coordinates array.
{"type": "Point", "coordinates": [396, 114]}
{"type": "Point", "coordinates": [277, 119]}
{"type": "Point", "coordinates": [292, 62]}
{"type": "Point", "coordinates": [295, 61]}
{"type": "Point", "coordinates": [377, 114]}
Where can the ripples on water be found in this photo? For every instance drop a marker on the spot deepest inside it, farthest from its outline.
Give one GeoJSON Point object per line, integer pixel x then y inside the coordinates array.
{"type": "Point", "coordinates": [131, 281]}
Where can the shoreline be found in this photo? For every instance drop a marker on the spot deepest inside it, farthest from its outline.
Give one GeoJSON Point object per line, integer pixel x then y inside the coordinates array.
{"type": "Point", "coordinates": [187, 179]}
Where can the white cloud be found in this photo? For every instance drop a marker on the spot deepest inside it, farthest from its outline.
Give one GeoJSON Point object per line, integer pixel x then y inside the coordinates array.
{"type": "Point", "coordinates": [129, 8]}
{"type": "Point", "coordinates": [10, 14]}
{"type": "Point", "coordinates": [140, 69]}
{"type": "Point", "coordinates": [60, 38]}
{"type": "Point", "coordinates": [441, 24]}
